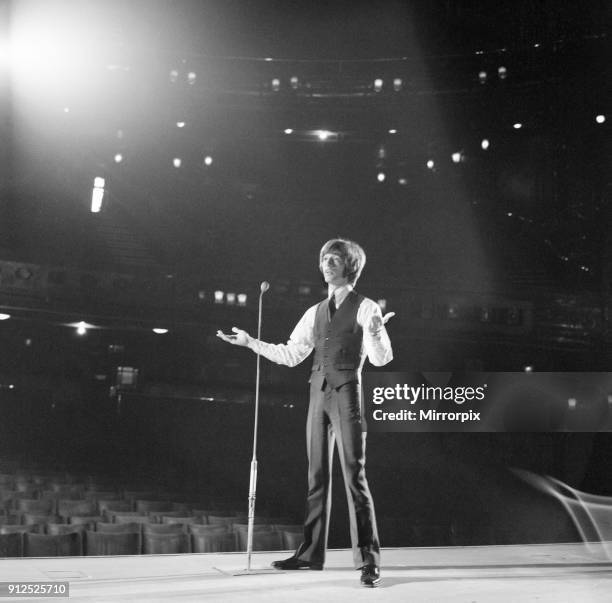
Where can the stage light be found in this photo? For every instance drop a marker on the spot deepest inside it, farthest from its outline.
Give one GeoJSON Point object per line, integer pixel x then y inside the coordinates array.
{"type": "Point", "coordinates": [180, 124]}
{"type": "Point", "coordinates": [600, 119]}
{"type": "Point", "coordinates": [517, 126]}
{"type": "Point", "coordinates": [378, 84]}
{"type": "Point", "coordinates": [485, 144]}
{"type": "Point", "coordinates": [430, 164]}
{"type": "Point", "coordinates": [97, 194]}
{"type": "Point", "coordinates": [219, 297]}
{"type": "Point", "coordinates": [231, 298]}
{"type": "Point", "coordinates": [572, 403]}
{"type": "Point", "coordinates": [295, 82]}
{"type": "Point", "coordinates": [192, 77]}
{"type": "Point", "coordinates": [4, 316]}
{"type": "Point", "coordinates": [242, 299]}
{"type": "Point", "coordinates": [323, 134]}
{"type": "Point", "coordinates": [288, 130]}
{"type": "Point", "coordinates": [81, 328]}
{"type": "Point", "coordinates": [177, 162]}
{"type": "Point", "coordinates": [456, 157]}
{"type": "Point", "coordinates": [382, 153]}
{"type": "Point", "coordinates": [160, 331]}
{"type": "Point", "coordinates": [392, 131]}
{"type": "Point", "coordinates": [402, 181]}
{"type": "Point", "coordinates": [528, 368]}
{"type": "Point", "coordinates": [381, 177]}
{"type": "Point", "coordinates": [174, 74]}
{"type": "Point", "coordinates": [397, 84]}
{"type": "Point", "coordinates": [502, 72]}
{"type": "Point", "coordinates": [208, 160]}
{"type": "Point", "coordinates": [509, 214]}
{"type": "Point", "coordinates": [482, 76]}
{"type": "Point", "coordinates": [276, 84]}
{"type": "Point", "coordinates": [118, 158]}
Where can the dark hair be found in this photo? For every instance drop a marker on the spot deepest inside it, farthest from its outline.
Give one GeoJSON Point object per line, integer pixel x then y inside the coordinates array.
{"type": "Point", "coordinates": [352, 253]}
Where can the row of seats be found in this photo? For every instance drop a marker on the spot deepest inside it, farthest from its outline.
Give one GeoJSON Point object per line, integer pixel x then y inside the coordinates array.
{"type": "Point", "coordinates": [136, 538]}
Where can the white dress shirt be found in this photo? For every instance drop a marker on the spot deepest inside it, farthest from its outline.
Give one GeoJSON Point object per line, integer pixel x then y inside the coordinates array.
{"type": "Point", "coordinates": [377, 347]}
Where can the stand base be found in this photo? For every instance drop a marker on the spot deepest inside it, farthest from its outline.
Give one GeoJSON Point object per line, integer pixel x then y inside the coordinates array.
{"type": "Point", "coordinates": [249, 572]}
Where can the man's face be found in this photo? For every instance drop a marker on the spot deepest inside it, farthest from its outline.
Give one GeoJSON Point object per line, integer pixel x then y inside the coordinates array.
{"type": "Point", "coordinates": [333, 267]}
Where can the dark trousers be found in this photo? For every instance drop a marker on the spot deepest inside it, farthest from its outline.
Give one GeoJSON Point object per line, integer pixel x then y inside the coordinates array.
{"type": "Point", "coordinates": [335, 415]}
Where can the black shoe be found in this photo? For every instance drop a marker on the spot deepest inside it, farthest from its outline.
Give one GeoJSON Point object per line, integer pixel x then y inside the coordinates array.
{"type": "Point", "coordinates": [293, 563]}
{"type": "Point", "coordinates": [370, 576]}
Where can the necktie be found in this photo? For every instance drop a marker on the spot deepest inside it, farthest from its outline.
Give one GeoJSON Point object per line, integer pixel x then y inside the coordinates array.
{"type": "Point", "coordinates": [332, 307]}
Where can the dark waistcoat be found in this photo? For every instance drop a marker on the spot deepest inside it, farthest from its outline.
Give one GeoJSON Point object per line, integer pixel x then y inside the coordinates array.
{"type": "Point", "coordinates": [337, 351]}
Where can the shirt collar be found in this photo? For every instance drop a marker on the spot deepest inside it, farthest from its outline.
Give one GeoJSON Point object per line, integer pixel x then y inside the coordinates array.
{"type": "Point", "coordinates": [340, 293]}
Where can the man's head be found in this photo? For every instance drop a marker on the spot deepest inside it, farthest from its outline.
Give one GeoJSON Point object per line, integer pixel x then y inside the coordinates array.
{"type": "Point", "coordinates": [341, 261]}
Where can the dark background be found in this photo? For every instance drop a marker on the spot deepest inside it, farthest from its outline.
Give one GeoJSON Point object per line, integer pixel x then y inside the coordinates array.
{"type": "Point", "coordinates": [494, 263]}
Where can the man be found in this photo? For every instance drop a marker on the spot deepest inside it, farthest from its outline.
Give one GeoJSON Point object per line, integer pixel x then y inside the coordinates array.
{"type": "Point", "coordinates": [342, 330]}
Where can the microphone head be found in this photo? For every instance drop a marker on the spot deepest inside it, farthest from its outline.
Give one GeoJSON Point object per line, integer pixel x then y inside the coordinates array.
{"type": "Point", "coordinates": [265, 285]}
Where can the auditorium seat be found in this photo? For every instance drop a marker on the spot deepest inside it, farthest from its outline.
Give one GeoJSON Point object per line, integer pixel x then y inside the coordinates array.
{"type": "Point", "coordinates": [110, 506]}
{"type": "Point", "coordinates": [11, 545]}
{"type": "Point", "coordinates": [67, 508]}
{"type": "Point", "coordinates": [211, 539]}
{"type": "Point", "coordinates": [108, 543]}
{"type": "Point", "coordinates": [152, 506]}
{"type": "Point", "coordinates": [52, 545]}
{"type": "Point", "coordinates": [178, 519]}
{"type": "Point", "coordinates": [129, 517]}
{"type": "Point", "coordinates": [164, 539]}
{"type": "Point", "coordinates": [264, 538]}
{"type": "Point", "coordinates": [290, 533]}
{"type": "Point", "coordinates": [36, 505]}
{"type": "Point", "coordinates": [100, 494]}
{"type": "Point", "coordinates": [20, 528]}
{"type": "Point", "coordinates": [88, 521]}
{"type": "Point", "coordinates": [41, 518]}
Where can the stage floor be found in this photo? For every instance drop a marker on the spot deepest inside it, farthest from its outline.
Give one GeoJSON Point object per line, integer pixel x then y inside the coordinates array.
{"type": "Point", "coordinates": [517, 573]}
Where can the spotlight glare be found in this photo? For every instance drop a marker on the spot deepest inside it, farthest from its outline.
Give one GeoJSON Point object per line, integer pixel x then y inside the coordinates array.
{"type": "Point", "coordinates": [402, 181]}
{"type": "Point", "coordinates": [600, 119]}
{"type": "Point", "coordinates": [177, 162]}
{"type": "Point", "coordinates": [208, 160]}
{"type": "Point", "coordinates": [180, 124]}
{"type": "Point", "coordinates": [378, 84]}
{"type": "Point", "coordinates": [397, 84]}
{"type": "Point", "coordinates": [191, 77]}
{"type": "Point", "coordinates": [242, 299]}
{"type": "Point", "coordinates": [118, 158]}
{"type": "Point", "coordinates": [219, 297]}
{"type": "Point", "coordinates": [518, 125]}
{"type": "Point", "coordinates": [484, 144]}
{"type": "Point", "coordinates": [392, 131]}
{"type": "Point", "coordinates": [160, 331]}
{"type": "Point", "coordinates": [456, 157]}
{"type": "Point", "coordinates": [323, 134]}
{"type": "Point", "coordinates": [502, 72]}
{"type": "Point", "coordinates": [295, 82]}
{"type": "Point", "coordinates": [288, 130]}
{"type": "Point", "coordinates": [482, 76]}
{"type": "Point", "coordinates": [430, 164]}
{"type": "Point", "coordinates": [276, 84]}
{"type": "Point", "coordinates": [174, 75]}
{"type": "Point", "coordinates": [4, 316]}
{"type": "Point", "coordinates": [381, 177]}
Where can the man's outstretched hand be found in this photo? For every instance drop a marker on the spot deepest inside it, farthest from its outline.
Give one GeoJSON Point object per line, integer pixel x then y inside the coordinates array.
{"type": "Point", "coordinates": [239, 337]}
{"type": "Point", "coordinates": [377, 322]}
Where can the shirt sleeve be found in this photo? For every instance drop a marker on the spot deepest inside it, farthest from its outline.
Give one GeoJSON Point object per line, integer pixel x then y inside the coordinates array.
{"type": "Point", "coordinates": [297, 349]}
{"type": "Point", "coordinates": [377, 346]}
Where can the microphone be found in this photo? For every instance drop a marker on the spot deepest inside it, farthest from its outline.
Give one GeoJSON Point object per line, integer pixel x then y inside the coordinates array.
{"type": "Point", "coordinates": [265, 285]}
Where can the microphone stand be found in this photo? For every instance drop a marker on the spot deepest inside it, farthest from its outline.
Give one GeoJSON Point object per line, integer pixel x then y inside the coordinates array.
{"type": "Point", "coordinates": [253, 478]}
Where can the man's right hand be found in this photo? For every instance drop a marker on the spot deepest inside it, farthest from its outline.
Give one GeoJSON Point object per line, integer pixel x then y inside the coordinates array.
{"type": "Point", "coordinates": [239, 337]}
